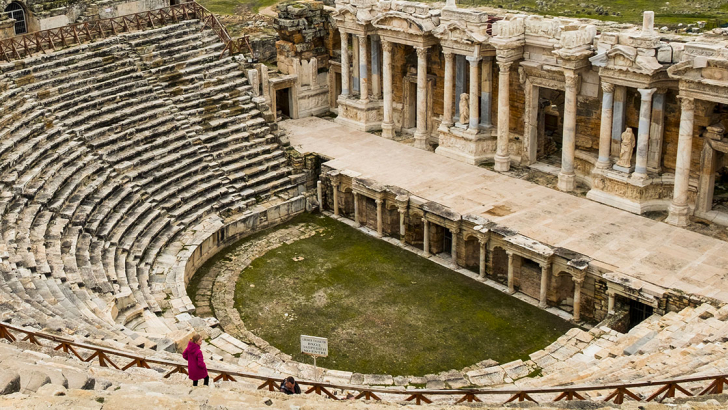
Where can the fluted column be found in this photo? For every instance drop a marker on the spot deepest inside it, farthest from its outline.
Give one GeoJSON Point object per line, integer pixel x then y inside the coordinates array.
{"type": "Point", "coordinates": [449, 80]}
{"type": "Point", "coordinates": [379, 216]}
{"type": "Point", "coordinates": [544, 290]}
{"type": "Point", "coordinates": [426, 239]}
{"type": "Point", "coordinates": [355, 63]}
{"type": "Point", "coordinates": [356, 209]}
{"type": "Point", "coordinates": [605, 129]}
{"type": "Point", "coordinates": [511, 284]}
{"type": "Point", "coordinates": [474, 92]}
{"type": "Point", "coordinates": [486, 92]}
{"type": "Point", "coordinates": [679, 206]}
{"type": "Point", "coordinates": [376, 79]}
{"type": "Point", "coordinates": [345, 74]}
{"type": "Point", "coordinates": [502, 158]}
{"type": "Point", "coordinates": [421, 132]}
{"type": "Point", "coordinates": [643, 133]}
{"type": "Point", "coordinates": [578, 282]}
{"type": "Point", "coordinates": [567, 178]}
{"type": "Point", "coordinates": [387, 123]}
{"type": "Point", "coordinates": [483, 243]}
{"type": "Point", "coordinates": [454, 250]}
{"type": "Point", "coordinates": [363, 80]}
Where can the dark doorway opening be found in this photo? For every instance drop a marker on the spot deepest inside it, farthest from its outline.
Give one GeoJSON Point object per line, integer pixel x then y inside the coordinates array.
{"type": "Point", "coordinates": [447, 242]}
{"type": "Point", "coordinates": [283, 103]}
{"type": "Point", "coordinates": [16, 11]}
{"type": "Point", "coordinates": [638, 312]}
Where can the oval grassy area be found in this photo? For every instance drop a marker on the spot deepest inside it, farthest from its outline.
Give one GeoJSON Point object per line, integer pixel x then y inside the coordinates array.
{"type": "Point", "coordinates": [383, 309]}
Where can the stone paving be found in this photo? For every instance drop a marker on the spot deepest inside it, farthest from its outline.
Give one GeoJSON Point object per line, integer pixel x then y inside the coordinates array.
{"type": "Point", "coordinates": [629, 245]}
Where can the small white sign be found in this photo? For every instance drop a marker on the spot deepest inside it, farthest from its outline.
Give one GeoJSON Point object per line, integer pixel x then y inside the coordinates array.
{"type": "Point", "coordinates": [315, 346]}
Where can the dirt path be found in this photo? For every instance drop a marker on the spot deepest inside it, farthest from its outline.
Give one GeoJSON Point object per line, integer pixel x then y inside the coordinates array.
{"type": "Point", "coordinates": [269, 11]}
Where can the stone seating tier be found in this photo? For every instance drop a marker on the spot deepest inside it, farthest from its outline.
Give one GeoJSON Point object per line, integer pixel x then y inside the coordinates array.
{"type": "Point", "coordinates": [109, 153]}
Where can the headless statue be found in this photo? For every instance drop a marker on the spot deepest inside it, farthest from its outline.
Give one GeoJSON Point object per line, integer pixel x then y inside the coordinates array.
{"type": "Point", "coordinates": [464, 108]}
{"type": "Point", "coordinates": [626, 147]}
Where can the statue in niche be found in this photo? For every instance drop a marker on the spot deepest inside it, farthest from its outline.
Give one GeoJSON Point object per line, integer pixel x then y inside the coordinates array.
{"type": "Point", "coordinates": [464, 108]}
{"type": "Point", "coordinates": [627, 145]}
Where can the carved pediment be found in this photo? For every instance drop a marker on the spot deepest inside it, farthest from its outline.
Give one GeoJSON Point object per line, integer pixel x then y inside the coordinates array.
{"type": "Point", "coordinates": [457, 31]}
{"type": "Point", "coordinates": [711, 71]}
{"type": "Point", "coordinates": [404, 23]}
{"type": "Point", "coordinates": [349, 14]}
{"type": "Point", "coordinates": [626, 58]}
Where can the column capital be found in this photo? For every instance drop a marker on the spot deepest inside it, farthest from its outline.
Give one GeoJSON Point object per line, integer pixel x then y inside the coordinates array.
{"type": "Point", "coordinates": [607, 87]}
{"type": "Point", "coordinates": [545, 265]}
{"type": "Point", "coordinates": [570, 79]}
{"type": "Point", "coordinates": [386, 46]}
{"type": "Point", "coordinates": [421, 52]}
{"type": "Point", "coordinates": [448, 54]}
{"type": "Point", "coordinates": [455, 230]}
{"type": "Point", "coordinates": [402, 209]}
{"type": "Point", "coordinates": [504, 66]}
{"type": "Point", "coordinates": [661, 90]}
{"type": "Point", "coordinates": [686, 103]}
{"type": "Point", "coordinates": [646, 93]}
{"type": "Point", "coordinates": [378, 201]}
{"type": "Point", "coordinates": [424, 219]}
{"type": "Point", "coordinates": [473, 59]}
{"type": "Point", "coordinates": [361, 36]}
{"type": "Point", "coordinates": [482, 241]}
{"type": "Point", "coordinates": [611, 293]}
{"type": "Point", "coordinates": [578, 280]}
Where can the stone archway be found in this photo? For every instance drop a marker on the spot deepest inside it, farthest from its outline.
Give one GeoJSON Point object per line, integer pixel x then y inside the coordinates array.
{"type": "Point", "coordinates": [563, 291]}
{"type": "Point", "coordinates": [16, 10]}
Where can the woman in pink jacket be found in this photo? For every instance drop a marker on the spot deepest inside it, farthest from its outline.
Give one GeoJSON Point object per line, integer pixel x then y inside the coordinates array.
{"type": "Point", "coordinates": [195, 360]}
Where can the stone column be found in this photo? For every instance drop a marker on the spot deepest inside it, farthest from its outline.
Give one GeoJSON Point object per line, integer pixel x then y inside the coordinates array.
{"type": "Point", "coordinates": [356, 209]}
{"type": "Point", "coordinates": [379, 216]}
{"type": "Point", "coordinates": [605, 129]}
{"type": "Point", "coordinates": [567, 178]}
{"type": "Point", "coordinates": [345, 74]}
{"type": "Point", "coordinates": [421, 132]}
{"type": "Point", "coordinates": [529, 152]}
{"type": "Point", "coordinates": [679, 206]}
{"type": "Point", "coordinates": [454, 250]}
{"type": "Point", "coordinates": [511, 285]}
{"type": "Point", "coordinates": [336, 199]}
{"type": "Point", "coordinates": [459, 82]}
{"type": "Point", "coordinates": [502, 158]}
{"type": "Point", "coordinates": [486, 92]}
{"type": "Point", "coordinates": [543, 294]}
{"type": "Point", "coordinates": [376, 83]}
{"type": "Point", "coordinates": [643, 133]}
{"type": "Point", "coordinates": [654, 154]}
{"type": "Point", "coordinates": [355, 63]}
{"type": "Point", "coordinates": [610, 303]}
{"type": "Point", "coordinates": [402, 232]}
{"type": "Point", "coordinates": [320, 195]}
{"type": "Point", "coordinates": [620, 103]}
{"type": "Point", "coordinates": [426, 239]}
{"type": "Point", "coordinates": [474, 92]}
{"type": "Point", "coordinates": [483, 243]}
{"type": "Point", "coordinates": [578, 281]}
{"type": "Point", "coordinates": [387, 123]}
{"type": "Point", "coordinates": [363, 80]}
{"type": "Point", "coordinates": [448, 90]}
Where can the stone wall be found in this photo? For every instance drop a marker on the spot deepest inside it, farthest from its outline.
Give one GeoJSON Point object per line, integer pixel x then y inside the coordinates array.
{"type": "Point", "coordinates": [303, 28]}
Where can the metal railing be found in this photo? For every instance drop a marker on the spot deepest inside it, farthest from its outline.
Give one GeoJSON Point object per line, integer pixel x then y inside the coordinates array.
{"type": "Point", "coordinates": [616, 393]}
{"type": "Point", "coordinates": [50, 40]}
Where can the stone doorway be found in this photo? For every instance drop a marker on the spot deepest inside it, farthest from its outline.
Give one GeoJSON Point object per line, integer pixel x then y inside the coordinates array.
{"type": "Point", "coordinates": [283, 103]}
{"type": "Point", "coordinates": [447, 242]}
{"type": "Point", "coordinates": [712, 200]}
{"type": "Point", "coordinates": [409, 103]}
{"type": "Point", "coordinates": [550, 123]}
{"type": "Point", "coordinates": [638, 312]}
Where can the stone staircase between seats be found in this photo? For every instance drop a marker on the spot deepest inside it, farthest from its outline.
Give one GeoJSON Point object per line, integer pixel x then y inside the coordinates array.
{"type": "Point", "coordinates": [109, 153]}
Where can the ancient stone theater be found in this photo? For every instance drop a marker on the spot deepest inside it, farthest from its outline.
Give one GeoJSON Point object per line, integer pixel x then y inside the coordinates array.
{"type": "Point", "coordinates": [575, 165]}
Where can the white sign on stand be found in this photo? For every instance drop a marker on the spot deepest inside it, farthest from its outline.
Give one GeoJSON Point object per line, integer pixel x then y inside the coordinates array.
{"type": "Point", "coordinates": [316, 347]}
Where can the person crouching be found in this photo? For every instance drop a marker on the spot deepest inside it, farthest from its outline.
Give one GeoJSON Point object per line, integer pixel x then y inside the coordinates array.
{"type": "Point", "coordinates": [195, 361]}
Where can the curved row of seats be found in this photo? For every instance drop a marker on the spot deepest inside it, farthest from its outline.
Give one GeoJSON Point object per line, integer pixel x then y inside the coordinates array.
{"type": "Point", "coordinates": [109, 152]}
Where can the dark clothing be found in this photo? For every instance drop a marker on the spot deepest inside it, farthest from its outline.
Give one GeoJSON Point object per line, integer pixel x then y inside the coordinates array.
{"type": "Point", "coordinates": [296, 388]}
{"type": "Point", "coordinates": [207, 381]}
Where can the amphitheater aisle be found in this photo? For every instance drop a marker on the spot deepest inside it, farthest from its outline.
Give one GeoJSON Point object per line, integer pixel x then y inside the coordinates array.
{"type": "Point", "coordinates": [624, 243]}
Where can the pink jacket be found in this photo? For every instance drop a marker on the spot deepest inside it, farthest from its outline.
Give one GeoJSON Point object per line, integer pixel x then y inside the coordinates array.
{"type": "Point", "coordinates": [195, 361]}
